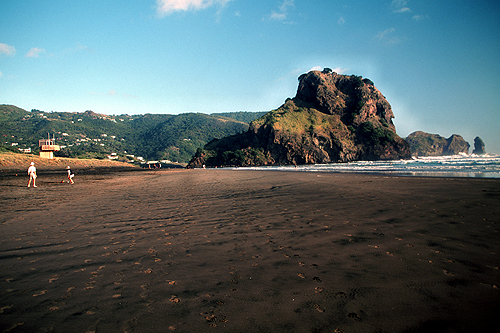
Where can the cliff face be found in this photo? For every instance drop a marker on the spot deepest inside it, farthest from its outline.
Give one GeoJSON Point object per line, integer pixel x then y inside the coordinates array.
{"type": "Point", "coordinates": [333, 118]}
{"type": "Point", "coordinates": [425, 144]}
{"type": "Point", "coordinates": [353, 99]}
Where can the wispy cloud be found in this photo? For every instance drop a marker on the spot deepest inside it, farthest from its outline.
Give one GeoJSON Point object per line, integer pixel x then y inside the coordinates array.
{"type": "Point", "coordinates": [278, 16]}
{"type": "Point", "coordinates": [282, 13]}
{"type": "Point", "coordinates": [420, 17]}
{"type": "Point", "coordinates": [341, 21]}
{"type": "Point", "coordinates": [7, 49]}
{"type": "Point", "coordinates": [340, 70]}
{"type": "Point", "coordinates": [383, 34]}
{"type": "Point", "coordinates": [34, 52]}
{"type": "Point", "coordinates": [400, 6]}
{"type": "Point", "coordinates": [387, 36]}
{"type": "Point", "coordinates": [112, 93]}
{"type": "Point", "coordinates": [315, 68]}
{"type": "Point", "coordinates": [167, 7]}
{"type": "Point", "coordinates": [78, 48]}
{"type": "Point", "coordinates": [299, 71]}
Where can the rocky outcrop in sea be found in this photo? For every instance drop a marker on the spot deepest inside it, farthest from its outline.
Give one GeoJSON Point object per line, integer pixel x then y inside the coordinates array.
{"type": "Point", "coordinates": [479, 148]}
{"type": "Point", "coordinates": [426, 144]}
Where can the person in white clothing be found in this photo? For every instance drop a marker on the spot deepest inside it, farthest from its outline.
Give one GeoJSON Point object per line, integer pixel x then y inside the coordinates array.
{"type": "Point", "coordinates": [32, 174]}
{"type": "Point", "coordinates": [70, 175]}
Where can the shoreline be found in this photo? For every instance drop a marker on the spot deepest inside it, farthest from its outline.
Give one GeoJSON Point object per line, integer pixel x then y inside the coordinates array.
{"type": "Point", "coordinates": [249, 251]}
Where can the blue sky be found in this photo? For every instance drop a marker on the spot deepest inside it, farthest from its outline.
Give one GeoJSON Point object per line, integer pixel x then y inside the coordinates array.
{"type": "Point", "coordinates": [437, 62]}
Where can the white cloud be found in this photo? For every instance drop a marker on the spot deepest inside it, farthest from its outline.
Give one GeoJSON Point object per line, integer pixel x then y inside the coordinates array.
{"type": "Point", "coordinates": [34, 52]}
{"type": "Point", "coordinates": [403, 10]}
{"type": "Point", "coordinates": [112, 92]}
{"type": "Point", "coordinates": [7, 49]}
{"type": "Point", "coordinates": [286, 3]}
{"type": "Point", "coordinates": [383, 34]}
{"type": "Point", "coordinates": [299, 71]}
{"type": "Point", "coordinates": [341, 21]}
{"type": "Point", "coordinates": [82, 48]}
{"type": "Point", "coordinates": [420, 17]}
{"type": "Point", "coordinates": [167, 7]}
{"type": "Point", "coordinates": [400, 6]}
{"type": "Point", "coordinates": [340, 70]}
{"type": "Point", "coordinates": [315, 68]}
{"type": "Point", "coordinates": [1, 74]}
{"type": "Point", "coordinates": [282, 12]}
{"type": "Point", "coordinates": [78, 48]}
{"type": "Point", "coordinates": [278, 16]}
{"type": "Point", "coordinates": [387, 37]}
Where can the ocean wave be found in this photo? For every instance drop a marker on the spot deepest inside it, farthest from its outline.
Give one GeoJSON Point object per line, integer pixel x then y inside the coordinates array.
{"type": "Point", "coordinates": [481, 166]}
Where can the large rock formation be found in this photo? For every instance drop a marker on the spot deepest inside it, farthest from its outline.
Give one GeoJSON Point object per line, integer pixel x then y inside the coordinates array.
{"type": "Point", "coordinates": [426, 144]}
{"type": "Point", "coordinates": [479, 146]}
{"type": "Point", "coordinates": [333, 118]}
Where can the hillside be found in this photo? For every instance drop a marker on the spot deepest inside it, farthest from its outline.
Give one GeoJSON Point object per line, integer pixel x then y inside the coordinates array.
{"type": "Point", "coordinates": [332, 118]}
{"type": "Point", "coordinates": [92, 135]}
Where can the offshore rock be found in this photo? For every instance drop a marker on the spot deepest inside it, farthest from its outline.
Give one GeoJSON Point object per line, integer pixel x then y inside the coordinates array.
{"type": "Point", "coordinates": [479, 148]}
{"type": "Point", "coordinates": [333, 118]}
{"type": "Point", "coordinates": [426, 144]}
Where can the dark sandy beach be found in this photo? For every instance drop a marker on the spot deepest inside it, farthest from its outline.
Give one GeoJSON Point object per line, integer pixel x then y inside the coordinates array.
{"type": "Point", "coordinates": [248, 251]}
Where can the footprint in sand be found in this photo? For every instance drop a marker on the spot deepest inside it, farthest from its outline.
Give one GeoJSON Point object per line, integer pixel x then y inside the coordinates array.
{"type": "Point", "coordinates": [14, 326]}
{"type": "Point", "coordinates": [318, 308]}
{"type": "Point", "coordinates": [5, 308]}
{"type": "Point", "coordinates": [55, 277]}
{"type": "Point", "coordinates": [354, 316]}
{"type": "Point", "coordinates": [341, 294]}
{"type": "Point", "coordinates": [43, 292]}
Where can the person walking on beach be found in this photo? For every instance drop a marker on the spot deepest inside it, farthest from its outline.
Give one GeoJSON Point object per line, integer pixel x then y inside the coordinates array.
{"type": "Point", "coordinates": [32, 174]}
{"type": "Point", "coordinates": [70, 175]}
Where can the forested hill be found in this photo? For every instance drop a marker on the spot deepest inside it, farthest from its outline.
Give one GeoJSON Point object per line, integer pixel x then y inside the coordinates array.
{"type": "Point", "coordinates": [89, 134]}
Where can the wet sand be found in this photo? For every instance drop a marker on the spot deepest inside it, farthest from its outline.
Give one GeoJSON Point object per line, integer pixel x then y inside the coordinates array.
{"type": "Point", "coordinates": [248, 251]}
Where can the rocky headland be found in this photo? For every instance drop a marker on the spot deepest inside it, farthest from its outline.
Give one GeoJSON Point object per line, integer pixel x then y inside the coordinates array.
{"type": "Point", "coordinates": [332, 118]}
{"type": "Point", "coordinates": [426, 144]}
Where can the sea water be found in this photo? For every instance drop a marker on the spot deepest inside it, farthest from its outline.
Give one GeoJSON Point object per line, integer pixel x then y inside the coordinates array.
{"type": "Point", "coordinates": [481, 166]}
